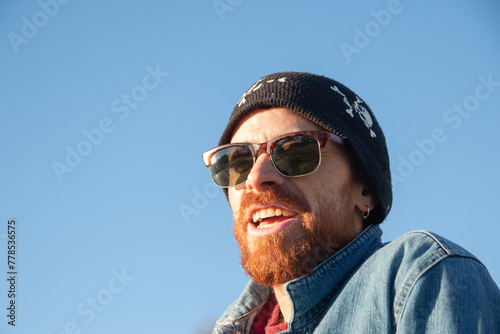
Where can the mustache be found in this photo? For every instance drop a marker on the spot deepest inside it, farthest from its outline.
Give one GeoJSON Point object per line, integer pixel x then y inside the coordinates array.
{"type": "Point", "coordinates": [275, 194]}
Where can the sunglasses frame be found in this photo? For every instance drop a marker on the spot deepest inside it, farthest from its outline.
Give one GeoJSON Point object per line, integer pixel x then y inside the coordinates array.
{"type": "Point", "coordinates": [267, 147]}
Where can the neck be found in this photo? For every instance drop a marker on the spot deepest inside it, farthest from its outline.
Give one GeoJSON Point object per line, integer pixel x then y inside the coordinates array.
{"type": "Point", "coordinates": [283, 301]}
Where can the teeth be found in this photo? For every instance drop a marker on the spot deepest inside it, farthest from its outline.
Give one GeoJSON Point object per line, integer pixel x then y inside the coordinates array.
{"type": "Point", "coordinates": [270, 212]}
{"type": "Point", "coordinates": [263, 225]}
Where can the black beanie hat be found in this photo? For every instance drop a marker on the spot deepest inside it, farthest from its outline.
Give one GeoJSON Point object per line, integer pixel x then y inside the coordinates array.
{"type": "Point", "coordinates": [334, 107]}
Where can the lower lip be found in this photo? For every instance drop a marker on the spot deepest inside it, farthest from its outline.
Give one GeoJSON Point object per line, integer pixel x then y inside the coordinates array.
{"type": "Point", "coordinates": [254, 230]}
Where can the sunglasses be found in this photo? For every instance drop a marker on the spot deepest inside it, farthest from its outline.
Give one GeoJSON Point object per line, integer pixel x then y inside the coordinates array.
{"type": "Point", "coordinates": [293, 155]}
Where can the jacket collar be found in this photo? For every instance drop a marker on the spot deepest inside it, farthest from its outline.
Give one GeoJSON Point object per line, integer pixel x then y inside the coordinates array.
{"type": "Point", "coordinates": [311, 292]}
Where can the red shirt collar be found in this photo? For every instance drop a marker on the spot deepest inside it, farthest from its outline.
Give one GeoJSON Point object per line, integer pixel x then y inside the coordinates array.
{"type": "Point", "coordinates": [266, 321]}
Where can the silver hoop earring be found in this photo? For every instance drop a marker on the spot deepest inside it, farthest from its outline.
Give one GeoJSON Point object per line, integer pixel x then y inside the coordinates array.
{"type": "Point", "coordinates": [367, 213]}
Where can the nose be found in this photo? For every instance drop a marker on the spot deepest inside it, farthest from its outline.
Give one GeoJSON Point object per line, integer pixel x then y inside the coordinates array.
{"type": "Point", "coordinates": [263, 175]}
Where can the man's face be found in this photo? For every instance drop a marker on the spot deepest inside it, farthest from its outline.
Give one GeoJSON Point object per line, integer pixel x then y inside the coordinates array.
{"type": "Point", "coordinates": [286, 226]}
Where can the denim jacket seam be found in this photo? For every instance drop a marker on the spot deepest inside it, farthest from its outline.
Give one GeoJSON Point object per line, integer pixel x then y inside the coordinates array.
{"type": "Point", "coordinates": [451, 252]}
{"type": "Point", "coordinates": [441, 245]}
{"type": "Point", "coordinates": [424, 271]}
{"type": "Point", "coordinates": [443, 252]}
{"type": "Point", "coordinates": [409, 285]}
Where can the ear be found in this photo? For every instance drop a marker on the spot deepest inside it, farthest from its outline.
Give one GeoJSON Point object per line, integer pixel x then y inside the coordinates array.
{"type": "Point", "coordinates": [363, 197]}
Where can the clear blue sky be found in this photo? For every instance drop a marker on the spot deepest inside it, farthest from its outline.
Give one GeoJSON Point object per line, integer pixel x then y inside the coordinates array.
{"type": "Point", "coordinates": [106, 108]}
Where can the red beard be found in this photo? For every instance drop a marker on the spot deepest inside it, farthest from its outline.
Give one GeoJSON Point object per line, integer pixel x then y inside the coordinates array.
{"type": "Point", "coordinates": [276, 259]}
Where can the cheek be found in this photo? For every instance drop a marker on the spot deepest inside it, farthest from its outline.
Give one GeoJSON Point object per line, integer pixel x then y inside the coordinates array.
{"type": "Point", "coordinates": [320, 190]}
{"type": "Point", "coordinates": [307, 189]}
{"type": "Point", "coordinates": [317, 206]}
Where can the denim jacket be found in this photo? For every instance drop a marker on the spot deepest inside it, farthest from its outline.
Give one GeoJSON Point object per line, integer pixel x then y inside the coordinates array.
{"type": "Point", "coordinates": [418, 283]}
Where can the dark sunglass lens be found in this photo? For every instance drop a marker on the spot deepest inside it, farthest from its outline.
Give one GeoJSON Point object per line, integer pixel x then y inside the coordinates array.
{"type": "Point", "coordinates": [298, 155]}
{"type": "Point", "coordinates": [230, 166]}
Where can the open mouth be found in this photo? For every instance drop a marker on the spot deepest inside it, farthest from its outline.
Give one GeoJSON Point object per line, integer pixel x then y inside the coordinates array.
{"type": "Point", "coordinates": [269, 217]}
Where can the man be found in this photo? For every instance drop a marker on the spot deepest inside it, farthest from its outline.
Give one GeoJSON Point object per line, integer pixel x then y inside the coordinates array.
{"type": "Point", "coordinates": [305, 167]}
